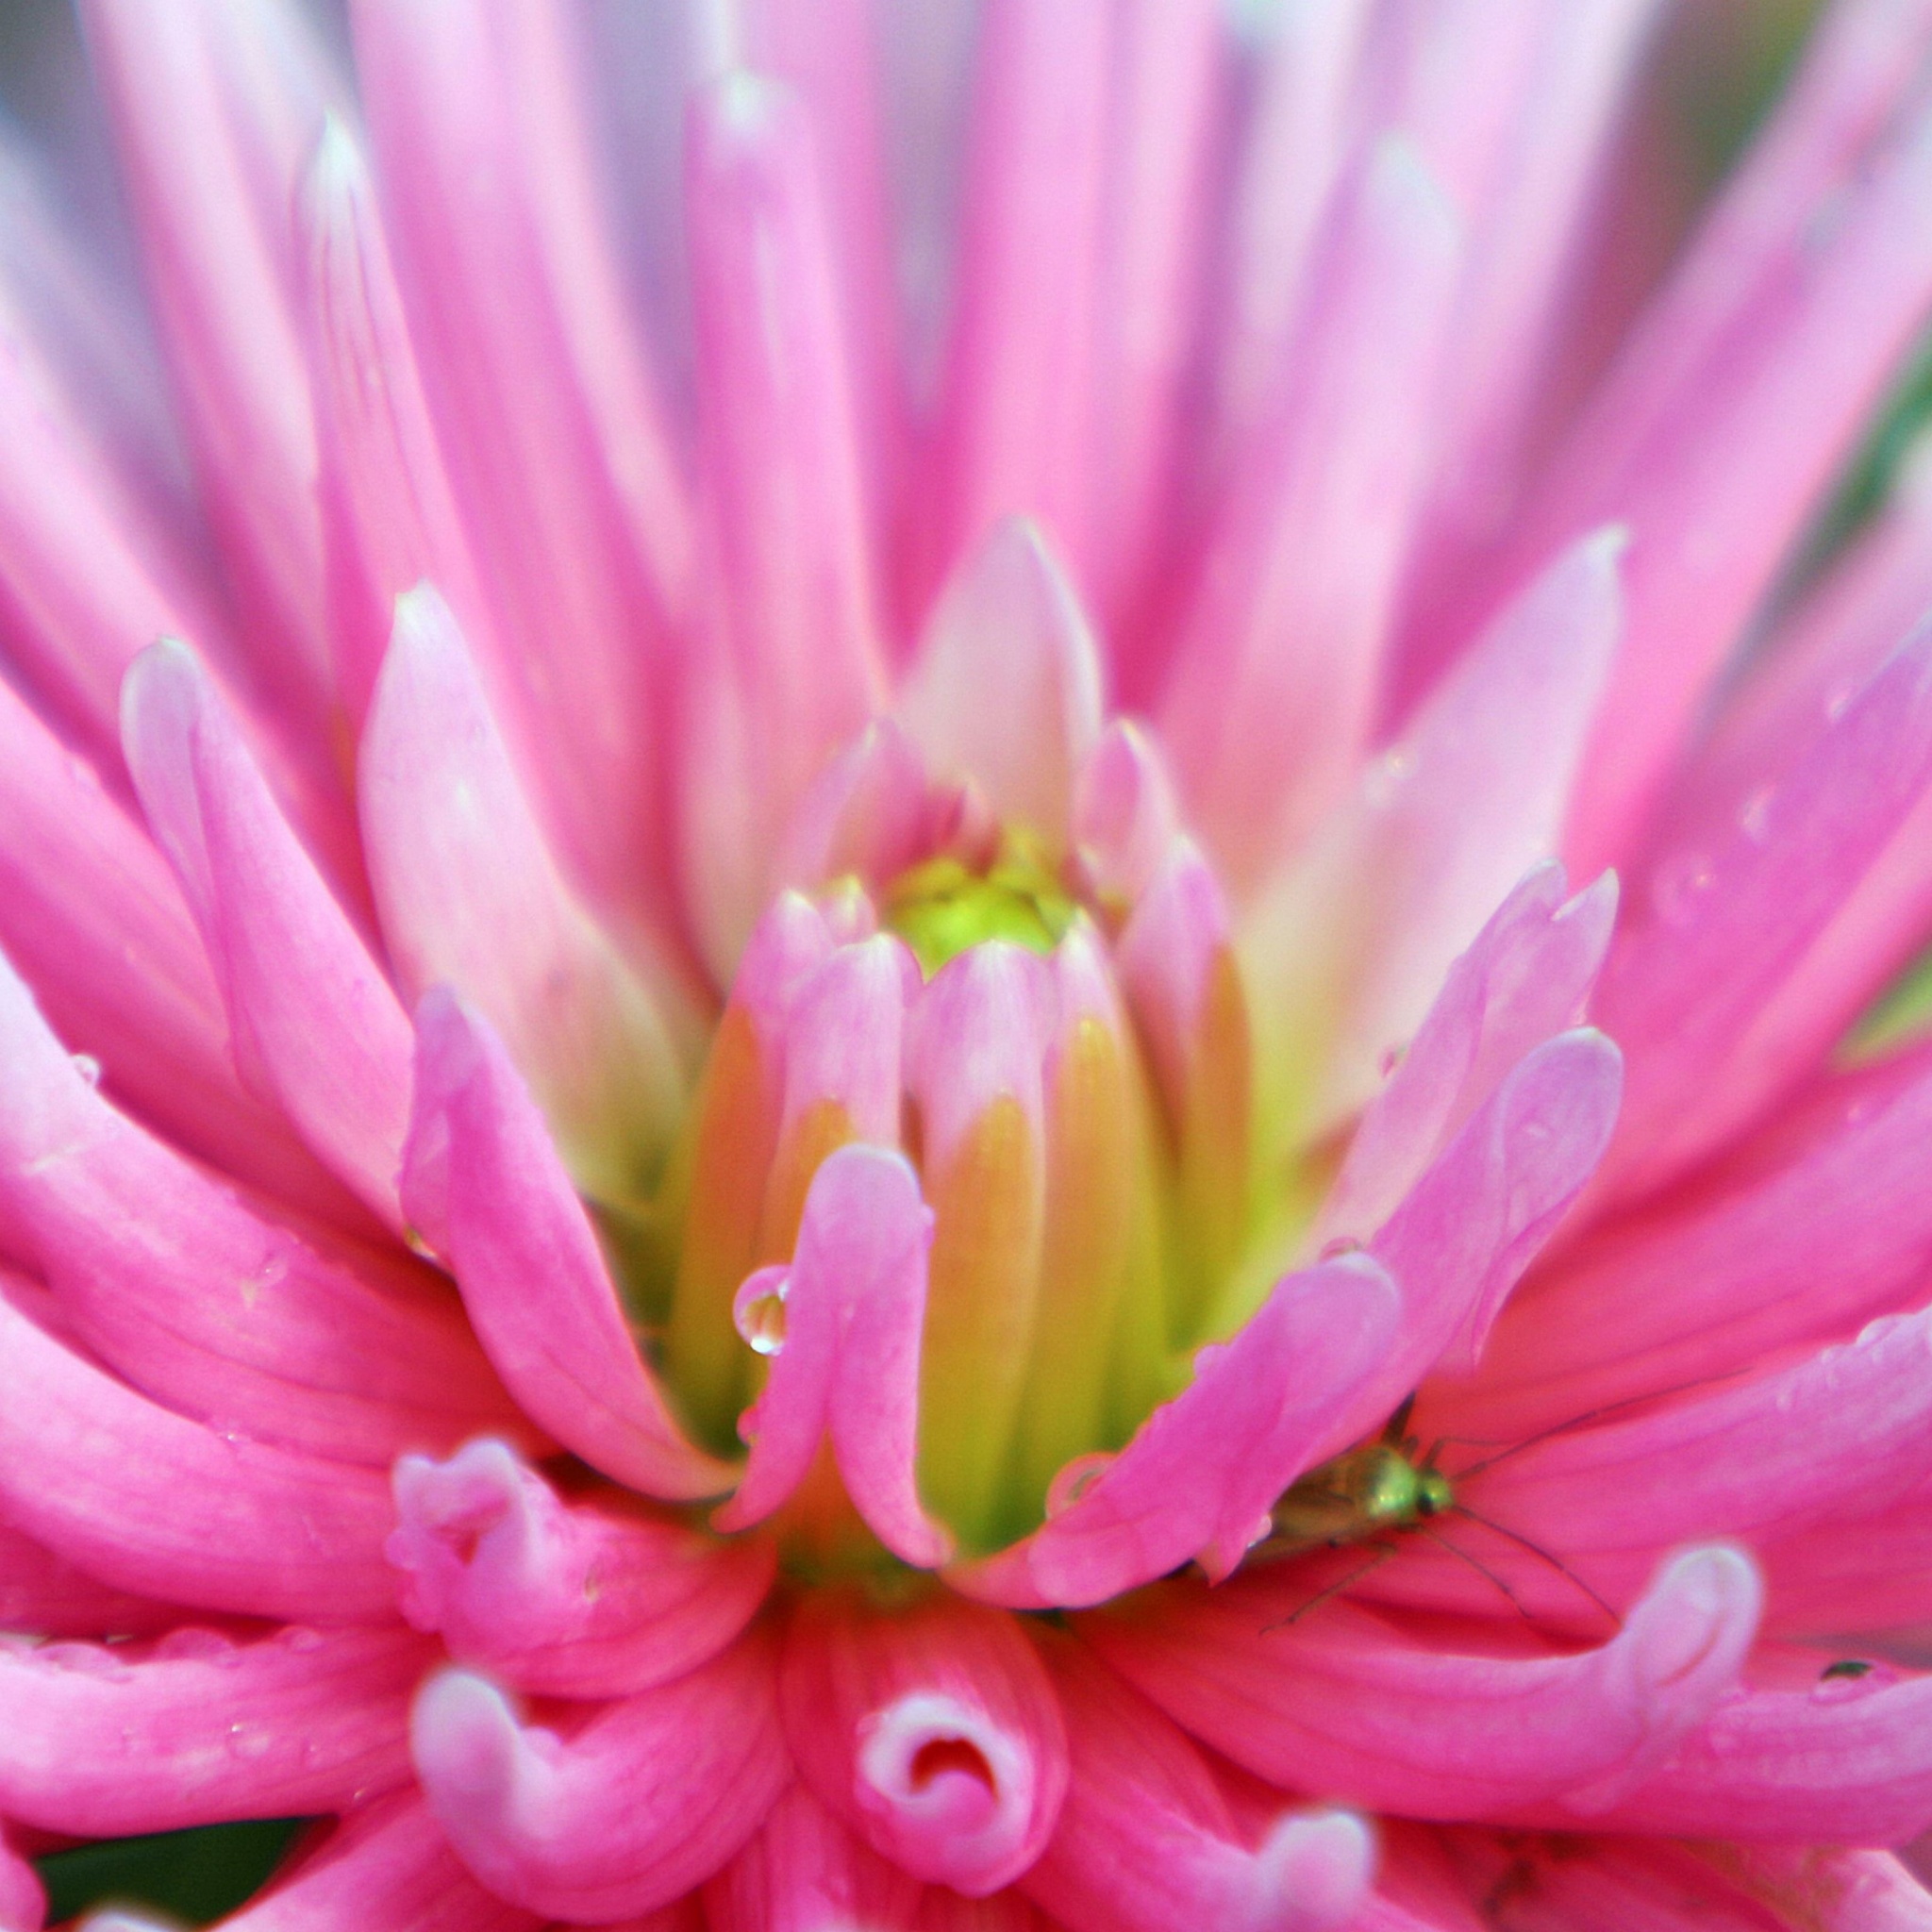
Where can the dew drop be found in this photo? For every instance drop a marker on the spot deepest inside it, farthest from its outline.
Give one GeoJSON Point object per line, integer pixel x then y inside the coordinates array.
{"type": "Point", "coordinates": [757, 1311]}
{"type": "Point", "coordinates": [88, 1068]}
{"type": "Point", "coordinates": [1678, 886]}
{"type": "Point", "coordinates": [1342, 1244]}
{"type": "Point", "coordinates": [1754, 820]}
{"type": "Point", "coordinates": [1073, 1481]}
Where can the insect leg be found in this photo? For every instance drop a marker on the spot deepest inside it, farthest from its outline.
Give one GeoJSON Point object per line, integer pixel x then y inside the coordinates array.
{"type": "Point", "coordinates": [1536, 1549]}
{"type": "Point", "coordinates": [1383, 1552]}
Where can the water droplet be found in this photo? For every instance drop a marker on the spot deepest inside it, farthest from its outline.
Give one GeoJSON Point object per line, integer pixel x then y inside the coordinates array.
{"type": "Point", "coordinates": [1342, 1244]}
{"type": "Point", "coordinates": [88, 1068]}
{"type": "Point", "coordinates": [299, 1638]}
{"type": "Point", "coordinates": [1678, 885]}
{"type": "Point", "coordinates": [1383, 781]}
{"type": "Point", "coordinates": [249, 1740]}
{"type": "Point", "coordinates": [1073, 1481]}
{"type": "Point", "coordinates": [757, 1311]}
{"type": "Point", "coordinates": [1753, 820]}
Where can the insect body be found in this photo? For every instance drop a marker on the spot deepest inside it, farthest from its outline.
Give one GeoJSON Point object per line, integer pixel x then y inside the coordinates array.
{"type": "Point", "coordinates": [1375, 1486]}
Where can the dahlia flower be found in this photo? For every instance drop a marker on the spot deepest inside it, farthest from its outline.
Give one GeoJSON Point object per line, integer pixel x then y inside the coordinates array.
{"type": "Point", "coordinates": [824, 1099]}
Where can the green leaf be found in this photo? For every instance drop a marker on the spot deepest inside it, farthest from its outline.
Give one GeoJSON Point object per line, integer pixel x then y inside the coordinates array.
{"type": "Point", "coordinates": [196, 1875]}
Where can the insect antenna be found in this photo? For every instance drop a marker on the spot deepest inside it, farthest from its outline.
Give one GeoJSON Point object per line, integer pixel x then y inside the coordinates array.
{"type": "Point", "coordinates": [1536, 1549]}
{"type": "Point", "coordinates": [1481, 1568]}
{"type": "Point", "coordinates": [1579, 1421]}
{"type": "Point", "coordinates": [1383, 1552]}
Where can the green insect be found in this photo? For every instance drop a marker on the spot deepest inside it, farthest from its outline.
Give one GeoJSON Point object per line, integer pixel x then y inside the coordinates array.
{"type": "Point", "coordinates": [1374, 1493]}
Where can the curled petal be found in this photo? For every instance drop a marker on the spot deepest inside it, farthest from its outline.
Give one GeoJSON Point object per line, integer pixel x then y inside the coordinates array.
{"type": "Point", "coordinates": [483, 1184]}
{"type": "Point", "coordinates": [564, 1599]}
{"type": "Point", "coordinates": [1125, 815]}
{"type": "Point", "coordinates": [102, 1740]}
{"type": "Point", "coordinates": [1146, 1842]}
{"type": "Point", "coordinates": [1199, 1476]}
{"type": "Point", "coordinates": [624, 1814]}
{"type": "Point", "coordinates": [1345, 1703]}
{"type": "Point", "coordinates": [932, 1731]}
{"type": "Point", "coordinates": [854, 1303]}
{"type": "Point", "coordinates": [149, 1501]}
{"type": "Point", "coordinates": [315, 1025]}
{"type": "Point", "coordinates": [44, 1592]}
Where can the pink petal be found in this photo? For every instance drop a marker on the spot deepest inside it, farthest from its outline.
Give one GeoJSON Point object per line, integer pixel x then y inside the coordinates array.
{"type": "Point", "coordinates": [932, 1731]}
{"type": "Point", "coordinates": [1146, 1843]}
{"type": "Point", "coordinates": [1346, 948]}
{"type": "Point", "coordinates": [782, 459]}
{"type": "Point", "coordinates": [1467, 1231]}
{"type": "Point", "coordinates": [1791, 1449]}
{"type": "Point", "coordinates": [1803, 1236]}
{"type": "Point", "coordinates": [1273, 685]}
{"type": "Point", "coordinates": [82, 890]}
{"type": "Point", "coordinates": [854, 1306]}
{"type": "Point", "coordinates": [1163, 145]}
{"type": "Point", "coordinates": [153, 1503]}
{"type": "Point", "coordinates": [1014, 419]}
{"type": "Point", "coordinates": [1201, 1473]}
{"type": "Point", "coordinates": [867, 814]}
{"type": "Point", "coordinates": [390, 518]}
{"type": "Point", "coordinates": [215, 118]}
{"type": "Point", "coordinates": [44, 1592]}
{"type": "Point", "coordinates": [1524, 980]}
{"type": "Point", "coordinates": [469, 893]}
{"type": "Point", "coordinates": [628, 1810]}
{"type": "Point", "coordinates": [1698, 1066]}
{"type": "Point", "coordinates": [105, 1741]}
{"type": "Point", "coordinates": [1759, 403]}
{"type": "Point", "coordinates": [578, 1599]}
{"type": "Point", "coordinates": [484, 1187]}
{"type": "Point", "coordinates": [388, 1862]}
{"type": "Point", "coordinates": [541, 387]}
{"type": "Point", "coordinates": [1005, 689]}
{"type": "Point", "coordinates": [1348, 1704]}
{"type": "Point", "coordinates": [1125, 815]}
{"type": "Point", "coordinates": [805, 1872]}
{"type": "Point", "coordinates": [315, 1025]}
{"type": "Point", "coordinates": [167, 1279]}
{"type": "Point", "coordinates": [23, 1898]}
{"type": "Point", "coordinates": [1831, 1760]}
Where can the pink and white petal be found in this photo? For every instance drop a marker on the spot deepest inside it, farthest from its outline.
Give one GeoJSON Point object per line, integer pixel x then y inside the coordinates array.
{"type": "Point", "coordinates": [389, 1863]}
{"type": "Point", "coordinates": [1526, 979]}
{"type": "Point", "coordinates": [1844, 1760]}
{"type": "Point", "coordinates": [1007, 687]}
{"type": "Point", "coordinates": [1347, 946]}
{"type": "Point", "coordinates": [805, 1872]}
{"type": "Point", "coordinates": [469, 894]}
{"type": "Point", "coordinates": [106, 1741]}
{"type": "Point", "coordinates": [867, 814]}
{"type": "Point", "coordinates": [82, 893]}
{"type": "Point", "coordinates": [1201, 1473]}
{"type": "Point", "coordinates": [215, 117]}
{"type": "Point", "coordinates": [932, 1731]}
{"type": "Point", "coordinates": [541, 386]}
{"type": "Point", "coordinates": [1015, 424]}
{"type": "Point", "coordinates": [594, 1598]}
{"type": "Point", "coordinates": [1349, 1703]}
{"type": "Point", "coordinates": [151, 1502]}
{"type": "Point", "coordinates": [483, 1185]}
{"type": "Point", "coordinates": [1273, 688]}
{"type": "Point", "coordinates": [173, 1282]}
{"type": "Point", "coordinates": [628, 1810]}
{"type": "Point", "coordinates": [1125, 815]}
{"type": "Point", "coordinates": [314, 1024]}
{"type": "Point", "coordinates": [1758, 904]}
{"type": "Point", "coordinates": [782, 464]}
{"type": "Point", "coordinates": [1146, 1842]}
{"type": "Point", "coordinates": [390, 518]}
{"type": "Point", "coordinates": [45, 1594]}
